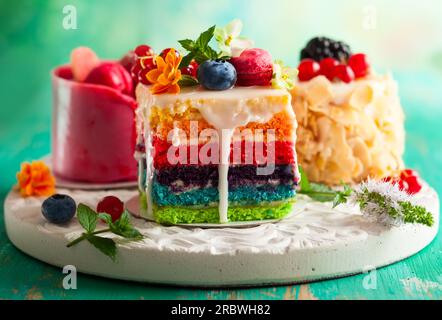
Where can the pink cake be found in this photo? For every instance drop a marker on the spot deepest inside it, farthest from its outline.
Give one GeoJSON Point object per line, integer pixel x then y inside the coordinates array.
{"type": "Point", "coordinates": [93, 131]}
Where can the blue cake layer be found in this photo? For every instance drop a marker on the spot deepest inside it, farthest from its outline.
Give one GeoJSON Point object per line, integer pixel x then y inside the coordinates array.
{"type": "Point", "coordinates": [245, 195]}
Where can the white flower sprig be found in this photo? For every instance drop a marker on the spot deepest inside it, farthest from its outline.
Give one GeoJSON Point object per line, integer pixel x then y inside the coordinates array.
{"type": "Point", "coordinates": [229, 41]}
{"type": "Point", "coordinates": [379, 201]}
{"type": "Point", "coordinates": [385, 203]}
{"type": "Point", "coordinates": [283, 77]}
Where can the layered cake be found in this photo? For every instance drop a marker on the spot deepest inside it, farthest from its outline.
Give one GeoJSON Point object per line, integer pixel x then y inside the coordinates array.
{"type": "Point", "coordinates": [350, 120]}
{"type": "Point", "coordinates": [219, 146]}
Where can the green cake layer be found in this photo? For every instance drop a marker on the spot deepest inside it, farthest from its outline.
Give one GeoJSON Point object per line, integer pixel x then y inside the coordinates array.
{"type": "Point", "coordinates": [175, 215]}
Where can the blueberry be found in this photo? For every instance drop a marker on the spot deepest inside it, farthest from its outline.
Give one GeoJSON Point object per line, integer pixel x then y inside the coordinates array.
{"type": "Point", "coordinates": [217, 75]}
{"type": "Point", "coordinates": [59, 208]}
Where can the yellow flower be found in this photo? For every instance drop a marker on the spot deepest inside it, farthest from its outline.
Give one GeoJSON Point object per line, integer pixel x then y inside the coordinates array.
{"type": "Point", "coordinates": [35, 179]}
{"type": "Point", "coordinates": [166, 75]}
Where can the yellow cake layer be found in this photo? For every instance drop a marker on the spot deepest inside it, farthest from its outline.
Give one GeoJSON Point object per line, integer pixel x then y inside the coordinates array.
{"type": "Point", "coordinates": [163, 121]}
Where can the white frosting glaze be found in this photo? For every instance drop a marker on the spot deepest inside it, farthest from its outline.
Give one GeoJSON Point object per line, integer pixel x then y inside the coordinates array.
{"type": "Point", "coordinates": [225, 111]}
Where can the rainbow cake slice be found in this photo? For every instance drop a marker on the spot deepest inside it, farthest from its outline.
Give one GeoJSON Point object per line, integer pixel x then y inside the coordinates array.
{"type": "Point", "coordinates": [217, 156]}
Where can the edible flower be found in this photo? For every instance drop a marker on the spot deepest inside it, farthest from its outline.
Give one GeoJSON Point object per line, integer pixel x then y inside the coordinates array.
{"type": "Point", "coordinates": [166, 75]}
{"type": "Point", "coordinates": [283, 76]}
{"type": "Point", "coordinates": [35, 179]}
{"type": "Point", "coordinates": [229, 41]}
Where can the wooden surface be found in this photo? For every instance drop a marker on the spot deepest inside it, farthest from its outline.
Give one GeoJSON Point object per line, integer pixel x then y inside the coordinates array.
{"type": "Point", "coordinates": [25, 135]}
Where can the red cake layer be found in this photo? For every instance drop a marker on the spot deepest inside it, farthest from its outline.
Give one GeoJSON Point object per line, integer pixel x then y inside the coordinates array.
{"type": "Point", "coordinates": [245, 153]}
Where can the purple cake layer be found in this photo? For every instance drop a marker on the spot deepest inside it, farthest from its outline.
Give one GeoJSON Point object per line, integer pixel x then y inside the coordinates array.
{"type": "Point", "coordinates": [180, 178]}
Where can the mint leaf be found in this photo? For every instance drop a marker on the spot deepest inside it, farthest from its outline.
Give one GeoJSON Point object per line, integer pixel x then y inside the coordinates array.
{"type": "Point", "coordinates": [341, 196]}
{"type": "Point", "coordinates": [304, 184]}
{"type": "Point", "coordinates": [124, 228]}
{"type": "Point", "coordinates": [106, 217]}
{"type": "Point", "coordinates": [187, 44]}
{"type": "Point", "coordinates": [315, 191]}
{"type": "Point", "coordinates": [187, 81]}
{"type": "Point", "coordinates": [187, 59]}
{"type": "Point", "coordinates": [105, 245]}
{"type": "Point", "coordinates": [87, 217]}
{"type": "Point", "coordinates": [205, 37]}
{"type": "Point", "coordinates": [199, 49]}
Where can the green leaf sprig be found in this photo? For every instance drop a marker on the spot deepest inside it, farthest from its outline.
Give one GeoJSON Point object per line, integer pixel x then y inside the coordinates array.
{"type": "Point", "coordinates": [88, 219]}
{"type": "Point", "coordinates": [199, 49]}
{"type": "Point", "coordinates": [380, 200]}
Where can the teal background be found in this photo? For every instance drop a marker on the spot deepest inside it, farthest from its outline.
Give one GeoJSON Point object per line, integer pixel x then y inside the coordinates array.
{"type": "Point", "coordinates": [406, 40]}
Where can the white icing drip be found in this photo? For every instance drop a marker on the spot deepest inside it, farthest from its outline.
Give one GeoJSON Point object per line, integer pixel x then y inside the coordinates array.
{"type": "Point", "coordinates": [223, 172]}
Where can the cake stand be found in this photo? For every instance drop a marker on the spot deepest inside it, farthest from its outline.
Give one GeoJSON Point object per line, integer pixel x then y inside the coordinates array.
{"type": "Point", "coordinates": [314, 243]}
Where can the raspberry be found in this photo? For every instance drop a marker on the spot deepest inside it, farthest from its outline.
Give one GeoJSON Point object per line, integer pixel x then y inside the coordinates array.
{"type": "Point", "coordinates": [111, 205]}
{"type": "Point", "coordinates": [254, 67]}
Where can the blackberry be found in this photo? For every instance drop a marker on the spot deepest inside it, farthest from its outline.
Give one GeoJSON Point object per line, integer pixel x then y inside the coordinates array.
{"type": "Point", "coordinates": [321, 47]}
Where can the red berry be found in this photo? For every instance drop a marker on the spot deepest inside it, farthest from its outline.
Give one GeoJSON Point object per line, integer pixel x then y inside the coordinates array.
{"type": "Point", "coordinates": [408, 181]}
{"type": "Point", "coordinates": [143, 50]}
{"type": "Point", "coordinates": [112, 75]}
{"type": "Point", "coordinates": [344, 73]}
{"type": "Point", "coordinates": [411, 181]}
{"type": "Point", "coordinates": [327, 66]}
{"type": "Point", "coordinates": [191, 69]}
{"type": "Point", "coordinates": [147, 63]}
{"type": "Point", "coordinates": [128, 60]}
{"type": "Point", "coordinates": [254, 67]}
{"type": "Point", "coordinates": [308, 69]}
{"type": "Point", "coordinates": [142, 76]}
{"type": "Point", "coordinates": [111, 205]}
{"type": "Point", "coordinates": [164, 53]}
{"type": "Point", "coordinates": [136, 68]}
{"type": "Point", "coordinates": [359, 64]}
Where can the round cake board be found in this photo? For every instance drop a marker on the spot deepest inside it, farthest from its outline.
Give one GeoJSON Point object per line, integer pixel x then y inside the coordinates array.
{"type": "Point", "coordinates": [314, 243]}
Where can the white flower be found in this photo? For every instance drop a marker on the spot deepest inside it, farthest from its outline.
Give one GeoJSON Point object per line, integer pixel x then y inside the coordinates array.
{"type": "Point", "coordinates": [229, 41]}
{"type": "Point", "coordinates": [283, 76]}
{"type": "Point", "coordinates": [380, 211]}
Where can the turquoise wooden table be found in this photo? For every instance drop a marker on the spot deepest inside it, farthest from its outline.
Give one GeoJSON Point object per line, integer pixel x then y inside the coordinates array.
{"type": "Point", "coordinates": [26, 136]}
{"type": "Point", "coordinates": [28, 51]}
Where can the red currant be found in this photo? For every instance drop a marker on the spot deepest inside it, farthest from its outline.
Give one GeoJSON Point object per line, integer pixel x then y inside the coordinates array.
{"type": "Point", "coordinates": [327, 66]}
{"type": "Point", "coordinates": [164, 53]}
{"type": "Point", "coordinates": [411, 181]}
{"type": "Point", "coordinates": [128, 60]}
{"type": "Point", "coordinates": [359, 64]}
{"type": "Point", "coordinates": [344, 73]}
{"type": "Point", "coordinates": [142, 76]}
{"type": "Point", "coordinates": [136, 68]}
{"type": "Point", "coordinates": [111, 205]}
{"type": "Point", "coordinates": [308, 69]}
{"type": "Point", "coordinates": [408, 181]}
{"type": "Point", "coordinates": [147, 63]}
{"type": "Point", "coordinates": [191, 69]}
{"type": "Point", "coordinates": [143, 50]}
